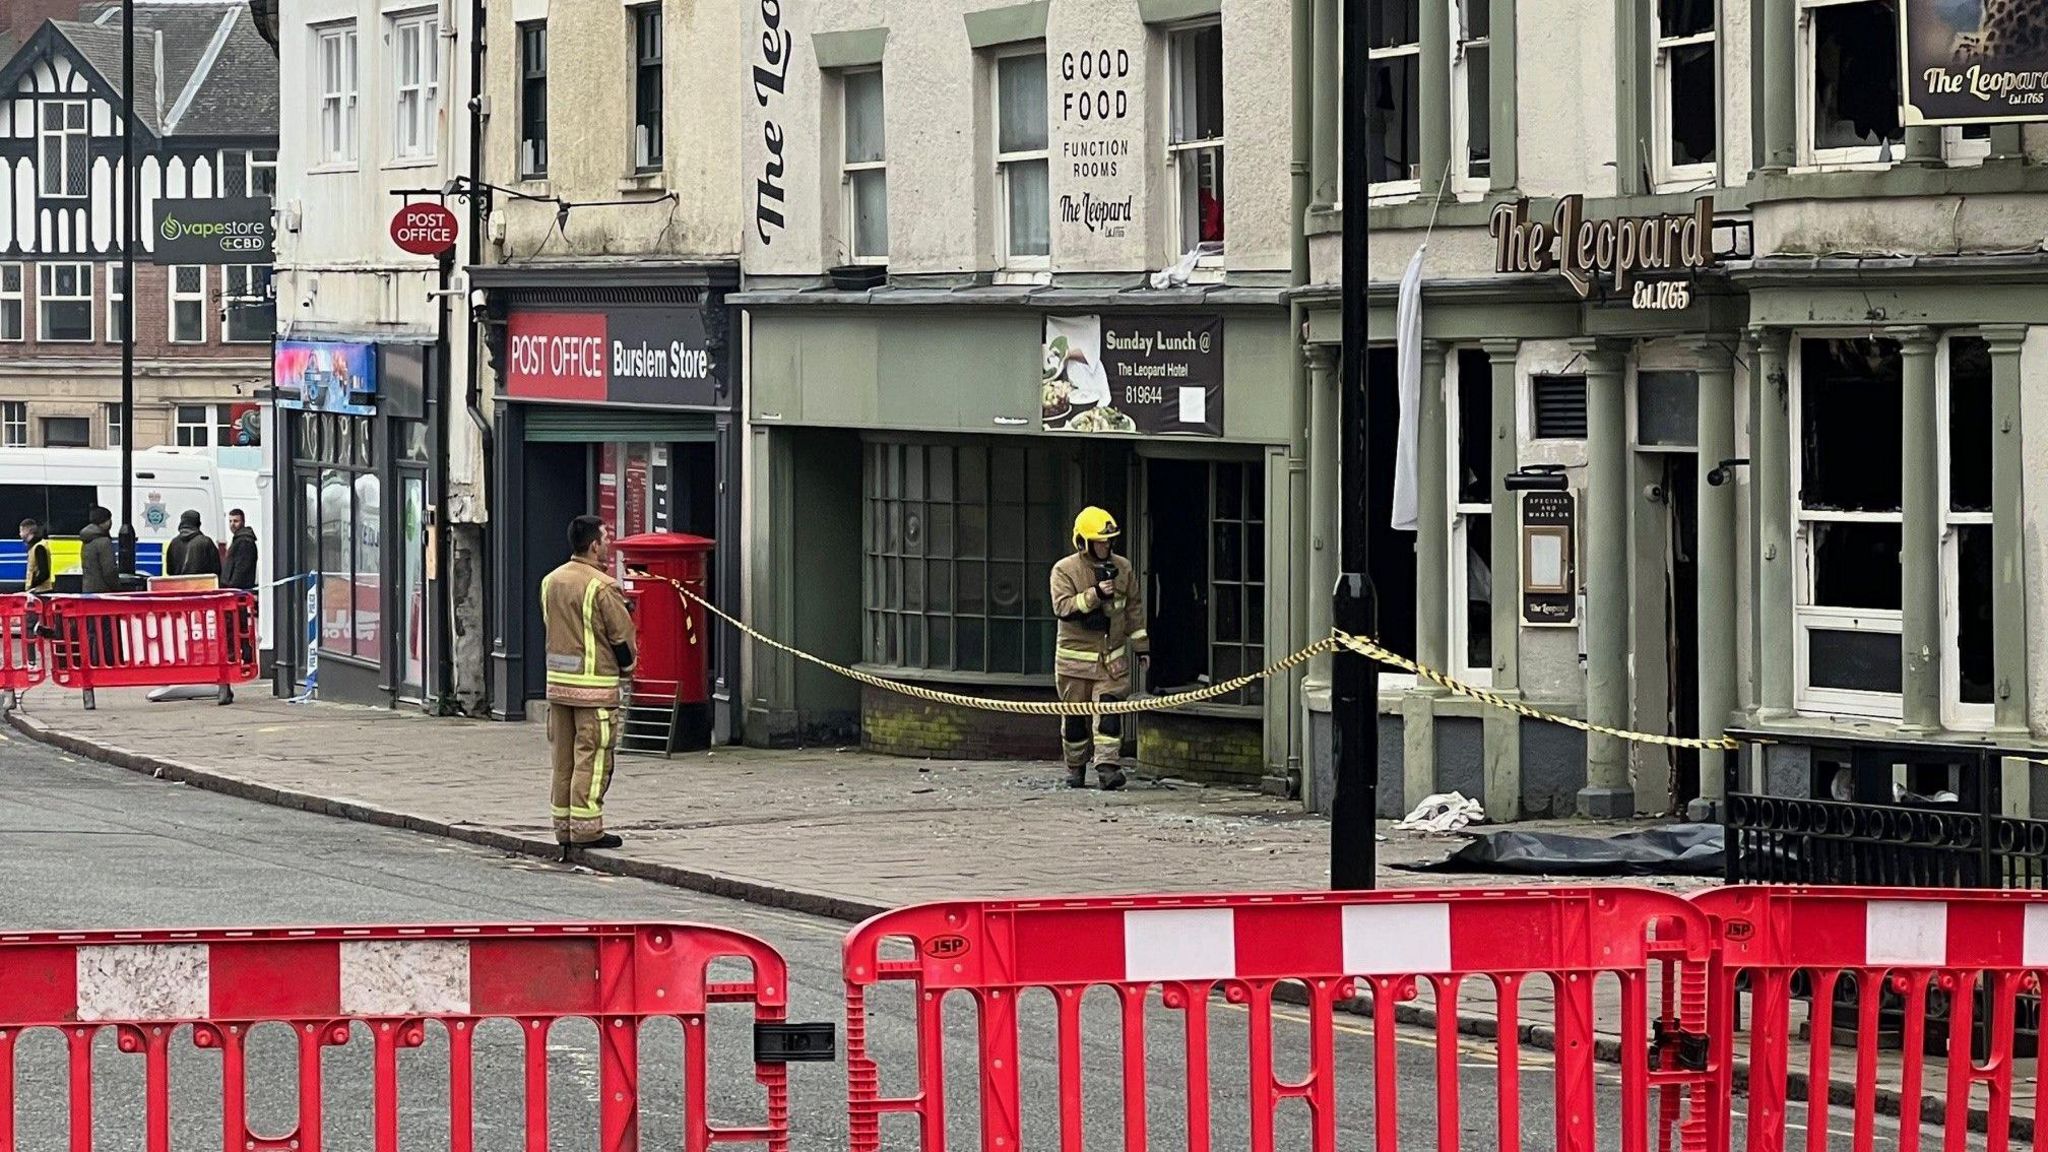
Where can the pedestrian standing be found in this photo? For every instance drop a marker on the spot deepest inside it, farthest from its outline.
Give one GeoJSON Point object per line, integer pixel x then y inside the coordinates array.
{"type": "Point", "coordinates": [241, 564]}
{"type": "Point", "coordinates": [240, 574]}
{"type": "Point", "coordinates": [39, 575]}
{"type": "Point", "coordinates": [590, 653]}
{"type": "Point", "coordinates": [192, 552]}
{"type": "Point", "coordinates": [99, 568]}
{"type": "Point", "coordinates": [1101, 615]}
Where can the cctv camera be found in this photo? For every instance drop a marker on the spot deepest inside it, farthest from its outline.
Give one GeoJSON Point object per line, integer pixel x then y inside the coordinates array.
{"type": "Point", "coordinates": [1654, 493]}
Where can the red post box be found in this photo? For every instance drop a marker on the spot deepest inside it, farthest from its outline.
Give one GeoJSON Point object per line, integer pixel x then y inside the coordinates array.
{"type": "Point", "coordinates": [675, 650]}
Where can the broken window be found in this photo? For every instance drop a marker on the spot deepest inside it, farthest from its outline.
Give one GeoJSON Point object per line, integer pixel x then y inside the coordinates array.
{"type": "Point", "coordinates": [1852, 55]}
{"type": "Point", "coordinates": [1685, 89]}
{"type": "Point", "coordinates": [1848, 504]}
{"type": "Point", "coordinates": [1393, 114]}
{"type": "Point", "coordinates": [1475, 44]}
{"type": "Point", "coordinates": [1967, 569]}
{"type": "Point", "coordinates": [1472, 512]}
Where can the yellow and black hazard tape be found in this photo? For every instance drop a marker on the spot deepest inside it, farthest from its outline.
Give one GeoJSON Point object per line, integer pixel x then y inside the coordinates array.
{"type": "Point", "coordinates": [1337, 638]}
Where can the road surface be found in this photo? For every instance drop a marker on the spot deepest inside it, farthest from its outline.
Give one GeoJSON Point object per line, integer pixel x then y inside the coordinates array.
{"type": "Point", "coordinates": [85, 846]}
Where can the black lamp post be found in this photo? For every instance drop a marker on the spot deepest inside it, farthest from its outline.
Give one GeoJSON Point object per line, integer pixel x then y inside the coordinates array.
{"type": "Point", "coordinates": [130, 195]}
{"type": "Point", "coordinates": [1354, 680]}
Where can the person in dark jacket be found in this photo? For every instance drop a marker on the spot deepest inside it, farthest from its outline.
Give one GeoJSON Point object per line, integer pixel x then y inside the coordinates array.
{"type": "Point", "coordinates": [241, 567]}
{"type": "Point", "coordinates": [39, 576]}
{"type": "Point", "coordinates": [192, 552]}
{"type": "Point", "coordinates": [99, 567]}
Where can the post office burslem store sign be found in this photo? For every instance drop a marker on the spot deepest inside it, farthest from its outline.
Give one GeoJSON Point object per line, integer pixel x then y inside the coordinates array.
{"type": "Point", "coordinates": [1972, 61]}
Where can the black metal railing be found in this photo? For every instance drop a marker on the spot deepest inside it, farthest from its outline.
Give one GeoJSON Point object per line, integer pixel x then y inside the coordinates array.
{"type": "Point", "coordinates": [1883, 813]}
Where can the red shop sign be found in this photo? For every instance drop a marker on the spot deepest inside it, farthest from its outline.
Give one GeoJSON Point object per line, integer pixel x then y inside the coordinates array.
{"type": "Point", "coordinates": [557, 356]}
{"type": "Point", "coordinates": [424, 229]}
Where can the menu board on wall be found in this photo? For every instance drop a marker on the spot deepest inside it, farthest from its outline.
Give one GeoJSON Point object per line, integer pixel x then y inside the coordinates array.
{"type": "Point", "coordinates": [1549, 567]}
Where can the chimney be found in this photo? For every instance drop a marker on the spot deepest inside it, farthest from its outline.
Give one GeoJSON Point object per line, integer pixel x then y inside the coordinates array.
{"type": "Point", "coordinates": [22, 17]}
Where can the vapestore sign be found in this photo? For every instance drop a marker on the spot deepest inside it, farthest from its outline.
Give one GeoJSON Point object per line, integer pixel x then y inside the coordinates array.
{"type": "Point", "coordinates": [1968, 63]}
{"type": "Point", "coordinates": [1583, 250]}
{"type": "Point", "coordinates": [619, 355]}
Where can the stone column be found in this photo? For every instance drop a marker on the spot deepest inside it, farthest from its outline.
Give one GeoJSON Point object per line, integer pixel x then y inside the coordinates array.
{"type": "Point", "coordinates": [2008, 530]}
{"type": "Point", "coordinates": [1715, 552]}
{"type": "Point", "coordinates": [1322, 501]}
{"type": "Point", "coordinates": [1432, 596]}
{"type": "Point", "coordinates": [1771, 472]}
{"type": "Point", "coordinates": [1435, 92]}
{"type": "Point", "coordinates": [1920, 533]}
{"type": "Point", "coordinates": [1780, 75]}
{"type": "Point", "coordinates": [1503, 730]}
{"type": "Point", "coordinates": [1323, 128]}
{"type": "Point", "coordinates": [1607, 794]}
{"type": "Point", "coordinates": [1432, 516]}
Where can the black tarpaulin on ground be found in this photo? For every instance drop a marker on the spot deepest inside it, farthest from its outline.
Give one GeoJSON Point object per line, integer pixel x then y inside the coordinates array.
{"type": "Point", "coordinates": [1672, 850]}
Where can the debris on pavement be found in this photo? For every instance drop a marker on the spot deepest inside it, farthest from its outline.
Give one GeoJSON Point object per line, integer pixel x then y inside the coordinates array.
{"type": "Point", "coordinates": [1671, 850]}
{"type": "Point", "coordinates": [1443, 812]}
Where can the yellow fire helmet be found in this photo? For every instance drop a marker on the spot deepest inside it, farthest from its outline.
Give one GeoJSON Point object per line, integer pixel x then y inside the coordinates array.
{"type": "Point", "coordinates": [1094, 524]}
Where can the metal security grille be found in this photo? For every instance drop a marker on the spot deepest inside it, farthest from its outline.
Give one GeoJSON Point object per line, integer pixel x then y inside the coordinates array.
{"type": "Point", "coordinates": [1560, 403]}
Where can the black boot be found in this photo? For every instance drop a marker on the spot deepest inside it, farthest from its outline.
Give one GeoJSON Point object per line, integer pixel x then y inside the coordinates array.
{"type": "Point", "coordinates": [1110, 775]}
{"type": "Point", "coordinates": [1077, 776]}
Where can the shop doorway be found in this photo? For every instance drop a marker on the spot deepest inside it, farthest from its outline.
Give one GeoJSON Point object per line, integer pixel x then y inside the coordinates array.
{"type": "Point", "coordinates": [1177, 568]}
{"type": "Point", "coordinates": [1681, 620]}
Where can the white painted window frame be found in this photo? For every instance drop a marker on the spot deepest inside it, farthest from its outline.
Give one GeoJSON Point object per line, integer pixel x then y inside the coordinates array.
{"type": "Point", "coordinates": [1810, 155]}
{"type": "Point", "coordinates": [116, 294]}
{"type": "Point", "coordinates": [1461, 525]}
{"type": "Point", "coordinates": [174, 296]}
{"type": "Point", "coordinates": [1463, 183]}
{"type": "Point", "coordinates": [848, 168]}
{"type": "Point", "coordinates": [1669, 176]}
{"type": "Point", "coordinates": [180, 426]}
{"type": "Point", "coordinates": [111, 414]}
{"type": "Point", "coordinates": [44, 296]}
{"type": "Point", "coordinates": [1391, 190]}
{"type": "Point", "coordinates": [338, 93]}
{"type": "Point", "coordinates": [52, 182]}
{"type": "Point", "coordinates": [1807, 616]}
{"type": "Point", "coordinates": [1955, 714]}
{"type": "Point", "coordinates": [1180, 88]}
{"type": "Point", "coordinates": [415, 103]}
{"type": "Point", "coordinates": [1007, 162]}
{"type": "Point", "coordinates": [18, 297]}
{"type": "Point", "coordinates": [14, 424]}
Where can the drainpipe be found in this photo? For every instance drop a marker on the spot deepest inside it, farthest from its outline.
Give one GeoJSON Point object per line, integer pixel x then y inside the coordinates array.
{"type": "Point", "coordinates": [1301, 49]}
{"type": "Point", "coordinates": [479, 219]}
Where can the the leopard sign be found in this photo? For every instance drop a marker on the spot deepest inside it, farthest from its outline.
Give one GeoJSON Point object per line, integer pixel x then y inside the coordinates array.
{"type": "Point", "coordinates": [1974, 61]}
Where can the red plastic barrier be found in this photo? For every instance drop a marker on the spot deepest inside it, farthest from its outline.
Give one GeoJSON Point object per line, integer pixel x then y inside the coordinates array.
{"type": "Point", "coordinates": [1910, 992]}
{"type": "Point", "coordinates": [1330, 946]}
{"type": "Point", "coordinates": [151, 639]}
{"type": "Point", "coordinates": [21, 659]}
{"type": "Point", "coordinates": [327, 984]}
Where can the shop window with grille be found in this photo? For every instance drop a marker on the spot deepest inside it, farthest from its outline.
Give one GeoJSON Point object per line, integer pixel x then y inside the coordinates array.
{"type": "Point", "coordinates": [341, 498]}
{"type": "Point", "coordinates": [959, 540]}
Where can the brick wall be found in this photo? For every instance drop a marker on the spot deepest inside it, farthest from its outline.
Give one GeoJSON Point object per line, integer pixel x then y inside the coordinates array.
{"type": "Point", "coordinates": [900, 725]}
{"type": "Point", "coordinates": [1205, 749]}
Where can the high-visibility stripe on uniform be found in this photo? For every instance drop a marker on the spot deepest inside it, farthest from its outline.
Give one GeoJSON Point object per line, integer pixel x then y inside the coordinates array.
{"type": "Point", "coordinates": [1090, 657]}
{"type": "Point", "coordinates": [588, 676]}
{"type": "Point", "coordinates": [1140, 634]}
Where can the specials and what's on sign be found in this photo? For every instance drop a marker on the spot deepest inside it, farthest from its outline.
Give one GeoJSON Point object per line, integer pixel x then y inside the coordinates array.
{"type": "Point", "coordinates": [623, 355]}
{"type": "Point", "coordinates": [1133, 373]}
{"type": "Point", "coordinates": [1585, 251]}
{"type": "Point", "coordinates": [1097, 118]}
{"type": "Point", "coordinates": [1973, 61]}
{"type": "Point", "coordinates": [1549, 567]}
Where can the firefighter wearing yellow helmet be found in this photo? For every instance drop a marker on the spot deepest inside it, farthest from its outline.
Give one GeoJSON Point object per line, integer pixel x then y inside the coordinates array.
{"type": "Point", "coordinates": [1101, 614]}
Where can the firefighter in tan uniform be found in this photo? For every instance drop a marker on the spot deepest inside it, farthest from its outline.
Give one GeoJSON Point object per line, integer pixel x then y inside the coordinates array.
{"type": "Point", "coordinates": [1101, 615]}
{"type": "Point", "coordinates": [590, 652]}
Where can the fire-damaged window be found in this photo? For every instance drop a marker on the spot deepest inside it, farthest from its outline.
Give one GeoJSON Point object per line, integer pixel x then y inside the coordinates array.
{"type": "Point", "coordinates": [1684, 90]}
{"type": "Point", "coordinates": [1473, 466]}
{"type": "Point", "coordinates": [1966, 544]}
{"type": "Point", "coordinates": [1848, 502]}
{"type": "Point", "coordinates": [1851, 80]}
{"type": "Point", "coordinates": [1393, 112]}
